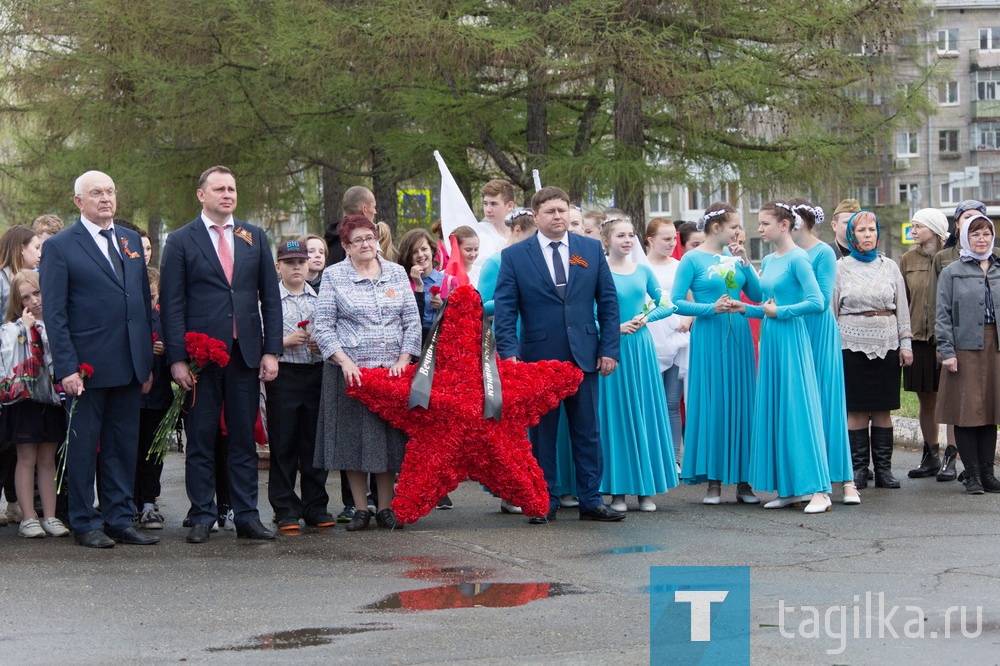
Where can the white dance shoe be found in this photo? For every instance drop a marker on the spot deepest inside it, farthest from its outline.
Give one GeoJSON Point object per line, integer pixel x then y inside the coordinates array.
{"type": "Point", "coordinates": [820, 503]}
{"type": "Point", "coordinates": [782, 502]}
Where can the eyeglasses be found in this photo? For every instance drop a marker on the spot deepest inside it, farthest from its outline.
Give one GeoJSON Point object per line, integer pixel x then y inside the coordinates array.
{"type": "Point", "coordinates": [367, 240]}
{"type": "Point", "coordinates": [97, 194]}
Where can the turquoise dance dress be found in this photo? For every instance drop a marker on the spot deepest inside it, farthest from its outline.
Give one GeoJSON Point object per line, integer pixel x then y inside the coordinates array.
{"type": "Point", "coordinates": [824, 334]}
{"type": "Point", "coordinates": [788, 449]}
{"type": "Point", "coordinates": [721, 373]}
{"type": "Point", "coordinates": [632, 405]}
{"type": "Point", "coordinates": [565, 469]}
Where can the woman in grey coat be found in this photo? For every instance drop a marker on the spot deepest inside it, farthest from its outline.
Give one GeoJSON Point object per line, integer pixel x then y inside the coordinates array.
{"type": "Point", "coordinates": [967, 339]}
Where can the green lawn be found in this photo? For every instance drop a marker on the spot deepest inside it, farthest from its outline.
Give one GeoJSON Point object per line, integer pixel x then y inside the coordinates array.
{"type": "Point", "coordinates": [908, 405]}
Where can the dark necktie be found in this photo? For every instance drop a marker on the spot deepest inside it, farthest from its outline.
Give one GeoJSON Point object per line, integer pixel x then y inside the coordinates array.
{"type": "Point", "coordinates": [116, 259]}
{"type": "Point", "coordinates": [558, 268]}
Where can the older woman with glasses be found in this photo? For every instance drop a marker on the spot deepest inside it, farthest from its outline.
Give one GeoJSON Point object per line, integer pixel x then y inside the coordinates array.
{"type": "Point", "coordinates": [966, 330]}
{"type": "Point", "coordinates": [366, 317]}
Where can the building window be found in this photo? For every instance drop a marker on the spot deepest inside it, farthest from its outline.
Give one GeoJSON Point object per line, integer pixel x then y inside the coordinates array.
{"type": "Point", "coordinates": [948, 141]}
{"type": "Point", "coordinates": [948, 93]}
{"type": "Point", "coordinates": [947, 40]}
{"type": "Point", "coordinates": [907, 144]}
{"type": "Point", "coordinates": [989, 39]}
{"type": "Point", "coordinates": [908, 193]}
{"type": "Point", "coordinates": [987, 84]}
{"type": "Point", "coordinates": [986, 136]}
{"type": "Point", "coordinates": [756, 199]}
{"type": "Point", "coordinates": [867, 195]}
{"type": "Point", "coordinates": [989, 187]}
{"type": "Point", "coordinates": [659, 202]}
{"type": "Point", "coordinates": [950, 194]}
{"type": "Point", "coordinates": [700, 196]}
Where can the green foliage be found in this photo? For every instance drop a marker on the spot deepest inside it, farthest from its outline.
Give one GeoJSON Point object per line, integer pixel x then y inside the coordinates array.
{"type": "Point", "coordinates": [600, 95]}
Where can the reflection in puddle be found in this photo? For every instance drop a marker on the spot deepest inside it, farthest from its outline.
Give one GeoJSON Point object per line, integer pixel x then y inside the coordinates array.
{"type": "Point", "coordinates": [471, 595]}
{"type": "Point", "coordinates": [632, 549]}
{"type": "Point", "coordinates": [452, 575]}
{"type": "Point", "coordinates": [299, 638]}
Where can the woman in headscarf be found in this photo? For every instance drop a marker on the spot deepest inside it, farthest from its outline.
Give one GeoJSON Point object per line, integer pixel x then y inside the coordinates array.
{"type": "Point", "coordinates": [929, 229]}
{"type": "Point", "coordinates": [970, 385]}
{"type": "Point", "coordinates": [869, 301]}
{"type": "Point", "coordinates": [963, 212]}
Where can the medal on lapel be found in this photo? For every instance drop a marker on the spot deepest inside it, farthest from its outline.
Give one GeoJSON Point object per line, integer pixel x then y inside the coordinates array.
{"type": "Point", "coordinates": [577, 260]}
{"type": "Point", "coordinates": [127, 252]}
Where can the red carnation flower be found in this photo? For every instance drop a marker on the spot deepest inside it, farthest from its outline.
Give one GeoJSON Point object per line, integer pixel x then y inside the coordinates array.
{"type": "Point", "coordinates": [435, 291]}
{"type": "Point", "coordinates": [85, 370]}
{"type": "Point", "coordinates": [155, 337]}
{"type": "Point", "coordinates": [303, 323]}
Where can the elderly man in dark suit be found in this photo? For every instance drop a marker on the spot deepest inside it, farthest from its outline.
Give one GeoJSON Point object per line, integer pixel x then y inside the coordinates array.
{"type": "Point", "coordinates": [97, 313]}
{"type": "Point", "coordinates": [553, 281]}
{"type": "Point", "coordinates": [218, 278]}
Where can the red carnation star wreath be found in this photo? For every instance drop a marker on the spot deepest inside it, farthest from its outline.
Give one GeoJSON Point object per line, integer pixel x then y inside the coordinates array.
{"type": "Point", "coordinates": [451, 441]}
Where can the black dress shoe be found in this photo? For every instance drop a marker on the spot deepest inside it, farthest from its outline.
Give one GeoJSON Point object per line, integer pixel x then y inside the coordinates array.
{"type": "Point", "coordinates": [255, 530]}
{"type": "Point", "coordinates": [602, 513]}
{"type": "Point", "coordinates": [359, 521]}
{"type": "Point", "coordinates": [550, 517]}
{"type": "Point", "coordinates": [133, 537]}
{"type": "Point", "coordinates": [387, 519]}
{"type": "Point", "coordinates": [199, 533]}
{"type": "Point", "coordinates": [93, 539]}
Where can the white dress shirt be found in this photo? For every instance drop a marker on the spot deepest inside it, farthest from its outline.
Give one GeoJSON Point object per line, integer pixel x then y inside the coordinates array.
{"type": "Point", "coordinates": [545, 243]}
{"type": "Point", "coordinates": [102, 243]}
{"type": "Point", "coordinates": [228, 224]}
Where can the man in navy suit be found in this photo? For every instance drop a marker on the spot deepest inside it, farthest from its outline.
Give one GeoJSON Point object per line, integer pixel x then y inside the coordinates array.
{"type": "Point", "coordinates": [97, 312]}
{"type": "Point", "coordinates": [218, 278]}
{"type": "Point", "coordinates": [553, 280]}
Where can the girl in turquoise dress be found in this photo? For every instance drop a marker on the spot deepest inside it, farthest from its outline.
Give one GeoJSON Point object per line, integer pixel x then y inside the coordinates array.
{"type": "Point", "coordinates": [720, 359]}
{"type": "Point", "coordinates": [824, 336]}
{"type": "Point", "coordinates": [788, 449]}
{"type": "Point", "coordinates": [632, 405]}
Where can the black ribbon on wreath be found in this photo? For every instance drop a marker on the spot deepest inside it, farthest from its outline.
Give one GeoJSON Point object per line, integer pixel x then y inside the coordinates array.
{"type": "Point", "coordinates": [423, 378]}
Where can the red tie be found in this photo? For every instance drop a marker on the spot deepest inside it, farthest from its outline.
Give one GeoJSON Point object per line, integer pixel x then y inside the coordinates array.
{"type": "Point", "coordinates": [226, 259]}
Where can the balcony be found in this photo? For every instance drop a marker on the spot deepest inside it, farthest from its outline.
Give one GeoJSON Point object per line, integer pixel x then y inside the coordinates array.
{"type": "Point", "coordinates": [986, 109]}
{"type": "Point", "coordinates": [983, 59]}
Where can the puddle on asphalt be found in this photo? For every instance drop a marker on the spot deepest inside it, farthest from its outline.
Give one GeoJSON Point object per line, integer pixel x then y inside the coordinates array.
{"type": "Point", "coordinates": [471, 595]}
{"type": "Point", "coordinates": [300, 638]}
{"type": "Point", "coordinates": [631, 549]}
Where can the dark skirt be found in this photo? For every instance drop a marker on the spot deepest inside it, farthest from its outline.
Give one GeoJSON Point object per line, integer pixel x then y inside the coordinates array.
{"type": "Point", "coordinates": [971, 396]}
{"type": "Point", "coordinates": [872, 383]}
{"type": "Point", "coordinates": [924, 374]}
{"type": "Point", "coordinates": [349, 436]}
{"type": "Point", "coordinates": [33, 422]}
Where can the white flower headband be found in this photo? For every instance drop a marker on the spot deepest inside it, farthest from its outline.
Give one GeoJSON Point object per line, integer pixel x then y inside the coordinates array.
{"type": "Point", "coordinates": [514, 214]}
{"type": "Point", "coordinates": [707, 217]}
{"type": "Point", "coordinates": [797, 220]}
{"type": "Point", "coordinates": [612, 220]}
{"type": "Point", "coordinates": [816, 211]}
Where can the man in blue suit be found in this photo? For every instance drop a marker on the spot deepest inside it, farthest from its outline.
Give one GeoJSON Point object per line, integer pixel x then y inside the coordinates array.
{"type": "Point", "coordinates": [553, 281]}
{"type": "Point", "coordinates": [218, 278]}
{"type": "Point", "coordinates": [97, 312]}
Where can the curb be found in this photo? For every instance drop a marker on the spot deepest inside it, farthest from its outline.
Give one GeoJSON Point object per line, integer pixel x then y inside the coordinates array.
{"type": "Point", "coordinates": [906, 434]}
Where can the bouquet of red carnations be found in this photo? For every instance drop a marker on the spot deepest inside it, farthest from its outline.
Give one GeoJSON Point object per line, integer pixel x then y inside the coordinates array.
{"type": "Point", "coordinates": [202, 350]}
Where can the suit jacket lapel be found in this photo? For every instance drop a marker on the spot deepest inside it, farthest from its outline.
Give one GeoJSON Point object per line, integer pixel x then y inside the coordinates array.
{"type": "Point", "coordinates": [207, 246]}
{"type": "Point", "coordinates": [89, 246]}
{"type": "Point", "coordinates": [240, 248]}
{"type": "Point", "coordinates": [570, 240]}
{"type": "Point", "coordinates": [538, 259]}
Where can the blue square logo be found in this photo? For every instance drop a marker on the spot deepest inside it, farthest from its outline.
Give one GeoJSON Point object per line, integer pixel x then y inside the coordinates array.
{"type": "Point", "coordinates": [699, 615]}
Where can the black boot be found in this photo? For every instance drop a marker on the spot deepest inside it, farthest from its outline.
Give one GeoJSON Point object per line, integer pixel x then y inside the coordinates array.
{"type": "Point", "coordinates": [929, 464]}
{"type": "Point", "coordinates": [968, 447]}
{"type": "Point", "coordinates": [947, 472]}
{"type": "Point", "coordinates": [882, 457]}
{"type": "Point", "coordinates": [860, 455]}
{"type": "Point", "coordinates": [987, 453]}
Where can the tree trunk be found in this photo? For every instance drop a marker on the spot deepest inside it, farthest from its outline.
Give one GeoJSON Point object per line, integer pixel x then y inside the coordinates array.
{"type": "Point", "coordinates": [629, 187]}
{"type": "Point", "coordinates": [537, 129]}
{"type": "Point", "coordinates": [332, 198]}
{"type": "Point", "coordinates": [155, 223]}
{"type": "Point", "coordinates": [384, 188]}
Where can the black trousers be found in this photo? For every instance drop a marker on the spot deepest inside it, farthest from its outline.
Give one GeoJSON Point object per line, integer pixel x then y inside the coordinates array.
{"type": "Point", "coordinates": [292, 412]}
{"type": "Point", "coordinates": [147, 472]}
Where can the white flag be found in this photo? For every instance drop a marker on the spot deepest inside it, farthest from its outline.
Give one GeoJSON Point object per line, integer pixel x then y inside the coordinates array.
{"type": "Point", "coordinates": [455, 210]}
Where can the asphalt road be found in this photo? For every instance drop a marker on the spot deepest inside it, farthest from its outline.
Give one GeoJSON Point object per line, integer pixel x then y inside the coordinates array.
{"type": "Point", "coordinates": [471, 585]}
